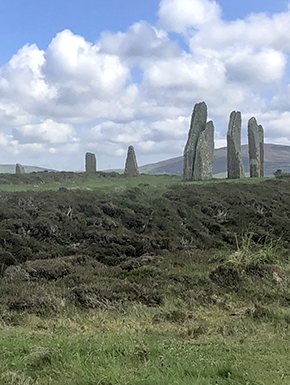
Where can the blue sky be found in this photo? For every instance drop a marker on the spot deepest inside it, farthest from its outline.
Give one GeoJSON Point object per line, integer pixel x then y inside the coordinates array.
{"type": "Point", "coordinates": [34, 21]}
{"type": "Point", "coordinates": [98, 76]}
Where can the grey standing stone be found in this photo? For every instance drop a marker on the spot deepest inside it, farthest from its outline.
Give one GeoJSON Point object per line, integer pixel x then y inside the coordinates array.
{"type": "Point", "coordinates": [19, 169]}
{"type": "Point", "coordinates": [234, 158]}
{"type": "Point", "coordinates": [91, 163]}
{"type": "Point", "coordinates": [256, 148]}
{"type": "Point", "coordinates": [197, 125]}
{"type": "Point", "coordinates": [261, 137]}
{"type": "Point", "coordinates": [203, 164]}
{"type": "Point", "coordinates": [131, 166]}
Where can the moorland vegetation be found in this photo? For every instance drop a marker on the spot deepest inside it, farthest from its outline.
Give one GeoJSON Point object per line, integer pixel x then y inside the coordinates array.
{"type": "Point", "coordinates": [147, 280]}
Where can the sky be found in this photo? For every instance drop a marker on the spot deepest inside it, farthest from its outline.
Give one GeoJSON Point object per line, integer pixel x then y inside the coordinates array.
{"type": "Point", "coordinates": [98, 76]}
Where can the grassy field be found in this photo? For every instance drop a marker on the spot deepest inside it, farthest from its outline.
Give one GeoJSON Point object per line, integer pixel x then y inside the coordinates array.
{"type": "Point", "coordinates": [196, 336]}
{"type": "Point", "coordinates": [100, 181]}
{"type": "Point", "coordinates": [213, 307]}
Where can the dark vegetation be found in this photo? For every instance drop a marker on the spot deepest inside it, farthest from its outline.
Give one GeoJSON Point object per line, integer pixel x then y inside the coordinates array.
{"type": "Point", "coordinates": [112, 227]}
{"type": "Point", "coordinates": [36, 178]}
{"type": "Point", "coordinates": [109, 249]}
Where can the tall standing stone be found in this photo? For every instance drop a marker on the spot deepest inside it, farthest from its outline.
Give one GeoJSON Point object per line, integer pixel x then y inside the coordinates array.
{"type": "Point", "coordinates": [261, 137]}
{"type": "Point", "coordinates": [256, 148]}
{"type": "Point", "coordinates": [234, 158]}
{"type": "Point", "coordinates": [91, 163]}
{"type": "Point", "coordinates": [131, 166]}
{"type": "Point", "coordinates": [197, 125]}
{"type": "Point", "coordinates": [203, 164]}
{"type": "Point", "coordinates": [19, 169]}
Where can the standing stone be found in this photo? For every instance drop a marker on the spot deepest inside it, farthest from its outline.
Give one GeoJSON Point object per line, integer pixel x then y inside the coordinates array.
{"type": "Point", "coordinates": [203, 164]}
{"type": "Point", "coordinates": [234, 158]}
{"type": "Point", "coordinates": [19, 169]}
{"type": "Point", "coordinates": [261, 136]}
{"type": "Point", "coordinates": [91, 163]}
{"type": "Point", "coordinates": [131, 166]}
{"type": "Point", "coordinates": [256, 148]}
{"type": "Point", "coordinates": [197, 125]}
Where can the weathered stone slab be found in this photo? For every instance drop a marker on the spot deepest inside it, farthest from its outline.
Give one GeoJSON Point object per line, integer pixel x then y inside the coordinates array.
{"type": "Point", "coordinates": [91, 163]}
{"type": "Point", "coordinates": [235, 165]}
{"type": "Point", "coordinates": [131, 166]}
{"type": "Point", "coordinates": [256, 148]}
{"type": "Point", "coordinates": [261, 137]}
{"type": "Point", "coordinates": [19, 169]}
{"type": "Point", "coordinates": [197, 125]}
{"type": "Point", "coordinates": [203, 164]}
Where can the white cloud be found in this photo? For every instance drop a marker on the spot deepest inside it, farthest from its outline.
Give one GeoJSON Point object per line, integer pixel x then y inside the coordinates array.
{"type": "Point", "coordinates": [278, 125]}
{"type": "Point", "coordinates": [47, 131]}
{"type": "Point", "coordinates": [246, 65]}
{"type": "Point", "coordinates": [73, 64]}
{"type": "Point", "coordinates": [178, 15]}
{"type": "Point", "coordinates": [141, 41]}
{"type": "Point", "coordinates": [257, 30]}
{"type": "Point", "coordinates": [185, 72]}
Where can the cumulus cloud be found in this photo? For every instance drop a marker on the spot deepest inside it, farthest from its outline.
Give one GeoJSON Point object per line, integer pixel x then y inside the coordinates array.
{"type": "Point", "coordinates": [141, 41]}
{"type": "Point", "coordinates": [179, 15]}
{"type": "Point", "coordinates": [48, 131]}
{"type": "Point", "coordinates": [257, 30]}
{"type": "Point", "coordinates": [72, 63]}
{"type": "Point", "coordinates": [265, 66]}
{"type": "Point", "coordinates": [138, 87]}
{"type": "Point", "coordinates": [185, 72]}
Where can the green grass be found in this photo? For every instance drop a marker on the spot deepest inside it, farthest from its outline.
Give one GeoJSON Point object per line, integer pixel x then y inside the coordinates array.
{"type": "Point", "coordinates": [228, 336]}
{"type": "Point", "coordinates": [96, 183]}
{"type": "Point", "coordinates": [78, 181]}
{"type": "Point", "coordinates": [59, 356]}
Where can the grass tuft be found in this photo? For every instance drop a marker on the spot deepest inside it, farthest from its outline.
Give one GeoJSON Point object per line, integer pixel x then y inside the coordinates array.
{"type": "Point", "coordinates": [250, 251]}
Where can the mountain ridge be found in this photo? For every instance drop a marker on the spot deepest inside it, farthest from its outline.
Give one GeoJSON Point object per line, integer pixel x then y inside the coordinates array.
{"type": "Point", "coordinates": [10, 169]}
{"type": "Point", "coordinates": [276, 157]}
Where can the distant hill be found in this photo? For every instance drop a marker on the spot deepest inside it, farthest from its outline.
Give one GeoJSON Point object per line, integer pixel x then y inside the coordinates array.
{"type": "Point", "coordinates": [276, 157]}
{"type": "Point", "coordinates": [10, 169]}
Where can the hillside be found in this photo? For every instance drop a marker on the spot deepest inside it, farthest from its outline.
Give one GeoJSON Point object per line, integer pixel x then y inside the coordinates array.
{"type": "Point", "coordinates": [276, 156]}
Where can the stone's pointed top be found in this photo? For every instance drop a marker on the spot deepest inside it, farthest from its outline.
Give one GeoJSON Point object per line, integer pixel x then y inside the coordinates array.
{"type": "Point", "coordinates": [261, 129]}
{"type": "Point", "coordinates": [91, 163]}
{"type": "Point", "coordinates": [131, 166]}
{"type": "Point", "coordinates": [201, 105]}
{"type": "Point", "coordinates": [19, 169]}
{"type": "Point", "coordinates": [252, 122]}
{"type": "Point", "coordinates": [235, 112]}
{"type": "Point", "coordinates": [200, 108]}
{"type": "Point", "coordinates": [235, 121]}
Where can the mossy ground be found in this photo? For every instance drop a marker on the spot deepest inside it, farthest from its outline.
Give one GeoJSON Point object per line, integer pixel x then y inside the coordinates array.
{"type": "Point", "coordinates": [145, 280]}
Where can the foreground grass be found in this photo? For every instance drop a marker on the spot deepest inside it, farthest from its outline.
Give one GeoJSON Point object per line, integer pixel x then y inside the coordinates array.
{"type": "Point", "coordinates": [238, 336]}
{"type": "Point", "coordinates": [146, 356]}
{"type": "Point", "coordinates": [44, 181]}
